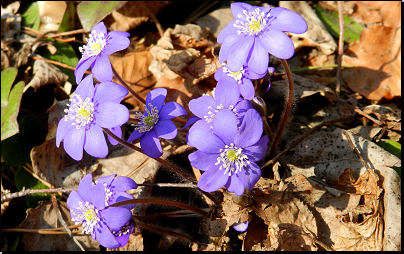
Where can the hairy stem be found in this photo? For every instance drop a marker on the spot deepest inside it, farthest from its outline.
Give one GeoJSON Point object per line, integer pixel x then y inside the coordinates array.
{"type": "Point", "coordinates": [163, 162]}
{"type": "Point", "coordinates": [162, 202]}
{"type": "Point", "coordinates": [285, 115]}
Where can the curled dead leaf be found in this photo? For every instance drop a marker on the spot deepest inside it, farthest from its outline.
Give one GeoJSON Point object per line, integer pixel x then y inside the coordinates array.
{"type": "Point", "coordinates": [44, 217]}
{"type": "Point", "coordinates": [45, 73]}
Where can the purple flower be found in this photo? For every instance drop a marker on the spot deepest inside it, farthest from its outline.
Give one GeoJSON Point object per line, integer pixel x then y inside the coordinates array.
{"type": "Point", "coordinates": [87, 206]}
{"type": "Point", "coordinates": [115, 189]}
{"type": "Point", "coordinates": [90, 110]}
{"type": "Point", "coordinates": [122, 235]}
{"type": "Point", "coordinates": [225, 96]}
{"type": "Point", "coordinates": [95, 54]}
{"type": "Point", "coordinates": [242, 78]}
{"type": "Point", "coordinates": [255, 32]}
{"type": "Point", "coordinates": [155, 122]}
{"type": "Point", "coordinates": [228, 155]}
{"type": "Point", "coordinates": [240, 226]}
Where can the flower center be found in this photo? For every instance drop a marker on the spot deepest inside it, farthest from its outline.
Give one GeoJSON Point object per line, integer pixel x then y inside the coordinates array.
{"type": "Point", "coordinates": [96, 43]}
{"type": "Point", "coordinates": [81, 112]}
{"type": "Point", "coordinates": [255, 22]}
{"type": "Point", "coordinates": [89, 217]}
{"type": "Point", "coordinates": [232, 159]}
{"type": "Point", "coordinates": [236, 75]}
{"type": "Point", "coordinates": [148, 119]}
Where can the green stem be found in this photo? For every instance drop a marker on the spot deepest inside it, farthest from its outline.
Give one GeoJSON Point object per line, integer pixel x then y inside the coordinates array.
{"type": "Point", "coordinates": [162, 202]}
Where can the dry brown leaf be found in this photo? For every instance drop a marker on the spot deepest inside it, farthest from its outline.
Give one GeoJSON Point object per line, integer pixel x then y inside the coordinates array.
{"type": "Point", "coordinates": [214, 236]}
{"type": "Point", "coordinates": [291, 225]}
{"type": "Point", "coordinates": [235, 209]}
{"type": "Point", "coordinates": [133, 14]}
{"type": "Point", "coordinates": [44, 217]}
{"type": "Point", "coordinates": [377, 61]}
{"type": "Point", "coordinates": [326, 156]}
{"type": "Point", "coordinates": [133, 68]}
{"type": "Point", "coordinates": [45, 73]}
{"type": "Point", "coordinates": [135, 243]}
{"type": "Point", "coordinates": [48, 162]}
{"type": "Point", "coordinates": [186, 52]}
{"type": "Point", "coordinates": [316, 34]}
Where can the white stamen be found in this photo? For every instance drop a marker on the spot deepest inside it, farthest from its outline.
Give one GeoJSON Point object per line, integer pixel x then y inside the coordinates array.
{"type": "Point", "coordinates": [82, 112]}
{"type": "Point", "coordinates": [255, 23]}
{"type": "Point", "coordinates": [96, 43]}
{"type": "Point", "coordinates": [147, 120]}
{"type": "Point", "coordinates": [89, 217]}
{"type": "Point", "coordinates": [232, 159]}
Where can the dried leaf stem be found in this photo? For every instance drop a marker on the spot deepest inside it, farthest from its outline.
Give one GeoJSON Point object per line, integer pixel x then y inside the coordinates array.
{"type": "Point", "coordinates": [286, 112]}
{"type": "Point", "coordinates": [340, 48]}
{"type": "Point", "coordinates": [62, 221]}
{"type": "Point", "coordinates": [127, 87]}
{"type": "Point", "coordinates": [162, 202]}
{"type": "Point", "coordinates": [163, 162]}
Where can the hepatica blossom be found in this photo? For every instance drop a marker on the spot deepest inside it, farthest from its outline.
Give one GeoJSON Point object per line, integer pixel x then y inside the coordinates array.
{"type": "Point", "coordinates": [225, 96]}
{"type": "Point", "coordinates": [155, 122]}
{"type": "Point", "coordinates": [115, 189]}
{"type": "Point", "coordinates": [90, 110]}
{"type": "Point", "coordinates": [228, 155]}
{"type": "Point", "coordinates": [255, 32]}
{"type": "Point", "coordinates": [87, 206]}
{"type": "Point", "coordinates": [95, 53]}
{"type": "Point", "coordinates": [242, 78]}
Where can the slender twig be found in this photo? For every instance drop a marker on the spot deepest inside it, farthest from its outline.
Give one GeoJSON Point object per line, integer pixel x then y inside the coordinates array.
{"type": "Point", "coordinates": [28, 192]}
{"type": "Point", "coordinates": [340, 48]}
{"type": "Point", "coordinates": [57, 63]}
{"type": "Point", "coordinates": [156, 21]}
{"type": "Point", "coordinates": [356, 109]}
{"type": "Point", "coordinates": [162, 202]}
{"type": "Point", "coordinates": [288, 107]}
{"type": "Point", "coordinates": [320, 67]}
{"type": "Point", "coordinates": [177, 185]}
{"type": "Point", "coordinates": [297, 141]}
{"type": "Point", "coordinates": [163, 162]}
{"type": "Point", "coordinates": [62, 221]}
{"type": "Point", "coordinates": [127, 87]}
{"type": "Point", "coordinates": [38, 231]}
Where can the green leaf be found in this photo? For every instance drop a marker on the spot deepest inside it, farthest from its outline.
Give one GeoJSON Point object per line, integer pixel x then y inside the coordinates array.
{"type": "Point", "coordinates": [25, 179]}
{"type": "Point", "coordinates": [391, 146]}
{"type": "Point", "coordinates": [10, 102]}
{"type": "Point", "coordinates": [16, 150]}
{"type": "Point", "coordinates": [68, 23]}
{"type": "Point", "coordinates": [398, 170]}
{"type": "Point", "coordinates": [92, 12]}
{"type": "Point", "coordinates": [352, 29]}
{"type": "Point", "coordinates": [30, 16]}
{"type": "Point", "coordinates": [64, 54]}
